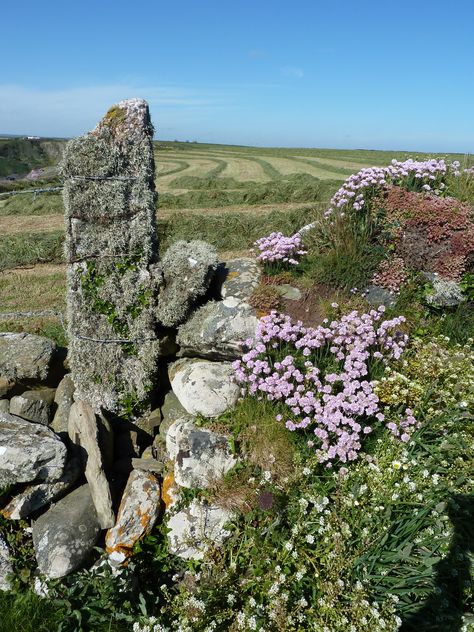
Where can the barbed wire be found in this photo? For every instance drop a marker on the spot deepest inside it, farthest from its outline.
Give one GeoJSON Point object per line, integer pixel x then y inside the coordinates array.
{"type": "Point", "coordinates": [32, 191]}
{"type": "Point", "coordinates": [57, 189]}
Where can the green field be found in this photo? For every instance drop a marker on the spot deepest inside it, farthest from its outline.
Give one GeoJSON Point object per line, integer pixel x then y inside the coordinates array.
{"type": "Point", "coordinates": [228, 195]}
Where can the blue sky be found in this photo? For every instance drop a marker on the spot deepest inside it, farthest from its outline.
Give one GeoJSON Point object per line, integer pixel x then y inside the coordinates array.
{"type": "Point", "coordinates": [307, 73]}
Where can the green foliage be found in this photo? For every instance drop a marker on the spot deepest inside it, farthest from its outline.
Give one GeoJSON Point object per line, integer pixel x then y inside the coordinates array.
{"type": "Point", "coordinates": [25, 249]}
{"type": "Point", "coordinates": [467, 285]}
{"type": "Point", "coordinates": [22, 554]}
{"type": "Point", "coordinates": [230, 231]}
{"type": "Point", "coordinates": [213, 192]}
{"type": "Point", "coordinates": [30, 204]}
{"type": "Point", "coordinates": [26, 612]}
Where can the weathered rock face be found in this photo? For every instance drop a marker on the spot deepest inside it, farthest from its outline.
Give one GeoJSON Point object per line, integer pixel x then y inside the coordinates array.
{"type": "Point", "coordinates": [171, 410]}
{"type": "Point", "coordinates": [25, 356]}
{"type": "Point", "coordinates": [29, 452]}
{"type": "Point", "coordinates": [376, 295]}
{"type": "Point", "coordinates": [34, 405]}
{"type": "Point", "coordinates": [84, 432]}
{"type": "Point", "coordinates": [195, 528]}
{"type": "Point", "coordinates": [111, 250]}
{"type": "Point", "coordinates": [137, 515]}
{"type": "Point", "coordinates": [239, 278]}
{"type": "Point", "coordinates": [34, 497]}
{"type": "Point", "coordinates": [6, 567]}
{"type": "Point", "coordinates": [217, 330]}
{"type": "Point", "coordinates": [63, 398]}
{"type": "Point", "coordinates": [4, 405]}
{"type": "Point", "coordinates": [65, 535]}
{"type": "Point", "coordinates": [204, 388]}
{"type": "Point", "coordinates": [188, 267]}
{"type": "Point", "coordinates": [200, 456]}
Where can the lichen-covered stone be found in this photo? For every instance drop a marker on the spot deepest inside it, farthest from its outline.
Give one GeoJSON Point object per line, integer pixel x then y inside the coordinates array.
{"type": "Point", "coordinates": [29, 452]}
{"type": "Point", "coordinates": [6, 567]}
{"type": "Point", "coordinates": [200, 456]}
{"type": "Point", "coordinates": [111, 252]}
{"type": "Point", "coordinates": [203, 387]}
{"type": "Point", "coordinates": [197, 527]}
{"type": "Point", "coordinates": [376, 295]}
{"type": "Point", "coordinates": [239, 278]}
{"type": "Point", "coordinates": [188, 268]}
{"type": "Point", "coordinates": [34, 405]}
{"type": "Point", "coordinates": [4, 405]}
{"type": "Point", "coordinates": [25, 356]}
{"type": "Point", "coordinates": [63, 398]}
{"type": "Point", "coordinates": [169, 491]}
{"type": "Point", "coordinates": [137, 514]}
{"type": "Point", "coordinates": [217, 330]}
{"type": "Point", "coordinates": [84, 432]}
{"type": "Point", "coordinates": [35, 497]}
{"type": "Point", "coordinates": [65, 535]}
{"type": "Point", "coordinates": [290, 292]}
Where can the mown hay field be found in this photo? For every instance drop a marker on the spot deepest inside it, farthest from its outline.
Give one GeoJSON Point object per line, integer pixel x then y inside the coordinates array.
{"type": "Point", "coordinates": [227, 195]}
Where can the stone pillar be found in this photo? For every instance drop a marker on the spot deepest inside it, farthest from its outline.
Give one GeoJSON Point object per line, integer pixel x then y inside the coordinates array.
{"type": "Point", "coordinates": [109, 198]}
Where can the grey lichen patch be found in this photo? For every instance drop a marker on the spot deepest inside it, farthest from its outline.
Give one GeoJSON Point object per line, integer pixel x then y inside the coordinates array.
{"type": "Point", "coordinates": [111, 252]}
{"type": "Point", "coordinates": [187, 268]}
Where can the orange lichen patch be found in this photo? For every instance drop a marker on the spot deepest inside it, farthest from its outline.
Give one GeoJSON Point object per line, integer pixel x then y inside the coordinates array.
{"type": "Point", "coordinates": [233, 274]}
{"type": "Point", "coordinates": [261, 313]}
{"type": "Point", "coordinates": [168, 491]}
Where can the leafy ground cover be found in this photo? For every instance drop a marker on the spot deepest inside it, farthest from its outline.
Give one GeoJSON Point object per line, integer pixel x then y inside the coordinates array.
{"type": "Point", "coordinates": [353, 495]}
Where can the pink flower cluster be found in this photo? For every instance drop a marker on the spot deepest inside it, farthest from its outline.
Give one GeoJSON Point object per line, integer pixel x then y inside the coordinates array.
{"type": "Point", "coordinates": [405, 426]}
{"type": "Point", "coordinates": [278, 248]}
{"type": "Point", "coordinates": [322, 375]}
{"type": "Point", "coordinates": [426, 175]}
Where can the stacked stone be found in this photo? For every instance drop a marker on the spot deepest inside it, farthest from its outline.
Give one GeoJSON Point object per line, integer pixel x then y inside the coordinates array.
{"type": "Point", "coordinates": [111, 248]}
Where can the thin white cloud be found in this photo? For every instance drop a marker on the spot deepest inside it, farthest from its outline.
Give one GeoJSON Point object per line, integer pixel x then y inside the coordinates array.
{"type": "Point", "coordinates": [72, 111]}
{"type": "Point", "coordinates": [292, 71]}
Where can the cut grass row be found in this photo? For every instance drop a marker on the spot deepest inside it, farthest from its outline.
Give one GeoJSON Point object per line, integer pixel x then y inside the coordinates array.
{"type": "Point", "coordinates": [230, 231]}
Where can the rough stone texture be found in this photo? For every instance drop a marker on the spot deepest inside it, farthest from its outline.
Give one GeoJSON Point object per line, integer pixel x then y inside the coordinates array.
{"type": "Point", "coordinates": [137, 515]}
{"type": "Point", "coordinates": [240, 278]}
{"type": "Point", "coordinates": [29, 452]}
{"type": "Point", "coordinates": [376, 295]}
{"type": "Point", "coordinates": [65, 535]}
{"type": "Point", "coordinates": [63, 398]}
{"type": "Point", "coordinates": [195, 528]}
{"type": "Point", "coordinates": [35, 497]}
{"type": "Point", "coordinates": [84, 432]}
{"type": "Point", "coordinates": [6, 567]}
{"type": "Point", "coordinates": [202, 387]}
{"type": "Point", "coordinates": [148, 464]}
{"type": "Point", "coordinates": [111, 252]}
{"type": "Point", "coordinates": [188, 268]}
{"type": "Point", "coordinates": [217, 330]}
{"type": "Point", "coordinates": [34, 406]}
{"type": "Point", "coordinates": [171, 410]}
{"type": "Point", "coordinates": [289, 292]}
{"type": "Point", "coordinates": [4, 405]}
{"type": "Point", "coordinates": [200, 456]}
{"type": "Point", "coordinates": [25, 356]}
{"type": "Point", "coordinates": [5, 386]}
